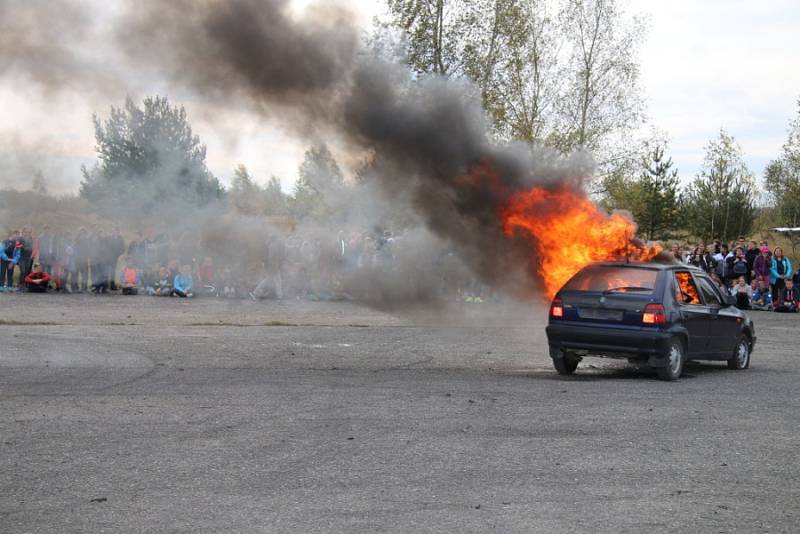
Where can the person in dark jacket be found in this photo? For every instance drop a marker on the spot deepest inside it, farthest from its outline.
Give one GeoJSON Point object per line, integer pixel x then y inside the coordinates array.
{"type": "Point", "coordinates": [26, 257]}
{"type": "Point", "coordinates": [702, 259]}
{"type": "Point", "coordinates": [739, 266]}
{"type": "Point", "coordinates": [751, 254]}
{"type": "Point", "coordinates": [789, 299]}
{"type": "Point", "coordinates": [37, 280]}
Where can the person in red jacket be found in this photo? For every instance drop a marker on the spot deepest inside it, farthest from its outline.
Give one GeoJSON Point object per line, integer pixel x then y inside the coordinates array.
{"type": "Point", "coordinates": [37, 280]}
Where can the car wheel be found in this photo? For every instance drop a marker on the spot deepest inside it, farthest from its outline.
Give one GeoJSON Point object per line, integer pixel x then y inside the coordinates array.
{"type": "Point", "coordinates": [741, 355]}
{"type": "Point", "coordinates": [675, 359]}
{"type": "Point", "coordinates": [566, 364]}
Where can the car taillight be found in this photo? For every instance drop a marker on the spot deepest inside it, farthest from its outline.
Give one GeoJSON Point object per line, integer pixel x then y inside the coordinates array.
{"type": "Point", "coordinates": [654, 314]}
{"type": "Point", "coordinates": [556, 309]}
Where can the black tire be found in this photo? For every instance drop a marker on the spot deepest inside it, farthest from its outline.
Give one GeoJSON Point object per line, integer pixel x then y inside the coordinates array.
{"type": "Point", "coordinates": [676, 357]}
{"type": "Point", "coordinates": [741, 355]}
{"type": "Point", "coordinates": [566, 364]}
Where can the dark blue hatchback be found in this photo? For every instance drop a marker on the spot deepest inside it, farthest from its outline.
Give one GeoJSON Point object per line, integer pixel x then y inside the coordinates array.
{"type": "Point", "coordinates": [659, 314]}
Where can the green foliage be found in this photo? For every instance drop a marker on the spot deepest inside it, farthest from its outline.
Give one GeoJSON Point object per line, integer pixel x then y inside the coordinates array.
{"type": "Point", "coordinates": [246, 197]}
{"type": "Point", "coordinates": [562, 74]}
{"type": "Point", "coordinates": [319, 185]}
{"type": "Point", "coordinates": [148, 157]}
{"type": "Point", "coordinates": [782, 178]}
{"type": "Point", "coordinates": [720, 202]}
{"type": "Point", "coordinates": [653, 198]}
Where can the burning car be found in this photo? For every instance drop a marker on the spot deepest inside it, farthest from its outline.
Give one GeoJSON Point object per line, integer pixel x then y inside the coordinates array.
{"type": "Point", "coordinates": [659, 314]}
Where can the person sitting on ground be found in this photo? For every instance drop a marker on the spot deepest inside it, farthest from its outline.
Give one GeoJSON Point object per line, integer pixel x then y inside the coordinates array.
{"type": "Point", "coordinates": [182, 285]}
{"type": "Point", "coordinates": [162, 284]}
{"type": "Point", "coordinates": [743, 293]}
{"type": "Point", "coordinates": [762, 298]}
{"type": "Point", "coordinates": [37, 280]}
{"type": "Point", "coordinates": [789, 299]}
{"type": "Point", "coordinates": [130, 278]}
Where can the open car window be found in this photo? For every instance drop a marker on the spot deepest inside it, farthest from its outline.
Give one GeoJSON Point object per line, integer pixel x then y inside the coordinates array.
{"type": "Point", "coordinates": [614, 279]}
{"type": "Point", "coordinates": [709, 293]}
{"type": "Point", "coordinates": [685, 289]}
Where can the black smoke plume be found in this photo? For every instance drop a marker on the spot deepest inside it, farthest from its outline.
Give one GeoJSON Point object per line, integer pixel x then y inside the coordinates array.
{"type": "Point", "coordinates": [427, 135]}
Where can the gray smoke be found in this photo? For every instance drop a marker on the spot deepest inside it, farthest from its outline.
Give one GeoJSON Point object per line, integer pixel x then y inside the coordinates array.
{"type": "Point", "coordinates": [425, 136]}
{"type": "Point", "coordinates": [428, 134]}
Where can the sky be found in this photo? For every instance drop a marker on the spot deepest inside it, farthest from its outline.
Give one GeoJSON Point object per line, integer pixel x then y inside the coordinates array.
{"type": "Point", "coordinates": [705, 65]}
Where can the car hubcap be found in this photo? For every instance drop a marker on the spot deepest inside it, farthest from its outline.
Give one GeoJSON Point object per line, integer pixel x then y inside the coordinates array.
{"type": "Point", "coordinates": [741, 355]}
{"type": "Point", "coordinates": [674, 359]}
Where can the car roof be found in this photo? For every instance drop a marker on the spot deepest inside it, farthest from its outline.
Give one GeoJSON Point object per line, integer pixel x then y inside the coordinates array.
{"type": "Point", "coordinates": [655, 266]}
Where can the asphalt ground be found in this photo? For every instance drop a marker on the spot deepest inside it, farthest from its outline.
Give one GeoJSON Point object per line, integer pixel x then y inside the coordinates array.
{"type": "Point", "coordinates": [137, 414]}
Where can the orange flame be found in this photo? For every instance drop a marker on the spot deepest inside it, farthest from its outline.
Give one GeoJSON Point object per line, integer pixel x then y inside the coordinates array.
{"type": "Point", "coordinates": [569, 231]}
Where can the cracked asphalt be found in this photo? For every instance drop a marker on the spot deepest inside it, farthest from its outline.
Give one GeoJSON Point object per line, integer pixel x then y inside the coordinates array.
{"type": "Point", "coordinates": [136, 414]}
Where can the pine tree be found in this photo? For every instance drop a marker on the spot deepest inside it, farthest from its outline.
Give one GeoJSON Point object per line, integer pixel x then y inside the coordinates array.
{"type": "Point", "coordinates": [660, 212]}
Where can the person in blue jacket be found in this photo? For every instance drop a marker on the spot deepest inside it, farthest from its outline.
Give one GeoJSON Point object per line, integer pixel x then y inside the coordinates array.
{"type": "Point", "coordinates": [182, 285]}
{"type": "Point", "coordinates": [780, 270]}
{"type": "Point", "coordinates": [10, 254]}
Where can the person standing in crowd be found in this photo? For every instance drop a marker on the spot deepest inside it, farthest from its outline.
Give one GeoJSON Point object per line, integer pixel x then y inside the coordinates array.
{"type": "Point", "coordinates": [676, 253]}
{"type": "Point", "coordinates": [10, 254]}
{"type": "Point", "coordinates": [37, 280]}
{"type": "Point", "coordinates": [762, 298]}
{"type": "Point", "coordinates": [789, 298]}
{"type": "Point", "coordinates": [182, 285]}
{"type": "Point", "coordinates": [47, 249]}
{"type": "Point", "coordinates": [100, 275]}
{"type": "Point", "coordinates": [83, 252]}
{"type": "Point", "coordinates": [116, 247]}
{"type": "Point", "coordinates": [739, 266]}
{"type": "Point", "coordinates": [751, 254]}
{"type": "Point", "coordinates": [780, 271]}
{"type": "Point", "coordinates": [26, 257]}
{"type": "Point", "coordinates": [207, 277]}
{"type": "Point", "coordinates": [762, 265]}
{"type": "Point", "coordinates": [67, 261]}
{"type": "Point", "coordinates": [701, 259]}
{"type": "Point", "coordinates": [723, 262]}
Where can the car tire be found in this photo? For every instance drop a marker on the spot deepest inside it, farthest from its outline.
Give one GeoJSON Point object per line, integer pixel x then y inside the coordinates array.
{"type": "Point", "coordinates": [676, 357]}
{"type": "Point", "coordinates": [566, 364]}
{"type": "Point", "coordinates": [741, 355]}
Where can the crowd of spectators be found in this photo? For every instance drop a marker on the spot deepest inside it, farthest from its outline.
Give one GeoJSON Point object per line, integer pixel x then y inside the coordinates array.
{"type": "Point", "coordinates": [759, 277]}
{"type": "Point", "coordinates": [285, 264]}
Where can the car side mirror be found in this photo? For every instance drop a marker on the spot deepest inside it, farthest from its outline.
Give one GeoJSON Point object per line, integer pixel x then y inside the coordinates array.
{"type": "Point", "coordinates": [729, 300]}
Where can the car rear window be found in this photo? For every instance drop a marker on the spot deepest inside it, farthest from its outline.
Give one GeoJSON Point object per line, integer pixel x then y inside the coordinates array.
{"type": "Point", "coordinates": [612, 278]}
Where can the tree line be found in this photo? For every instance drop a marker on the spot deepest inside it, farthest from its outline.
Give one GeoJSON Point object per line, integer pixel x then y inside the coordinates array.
{"type": "Point", "coordinates": [559, 73]}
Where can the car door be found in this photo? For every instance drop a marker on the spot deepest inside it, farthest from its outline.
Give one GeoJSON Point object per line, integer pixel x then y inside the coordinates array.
{"type": "Point", "coordinates": [724, 324]}
{"type": "Point", "coordinates": [695, 315]}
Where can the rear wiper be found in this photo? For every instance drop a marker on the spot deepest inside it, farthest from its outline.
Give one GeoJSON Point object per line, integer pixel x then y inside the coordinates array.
{"type": "Point", "coordinates": [625, 289]}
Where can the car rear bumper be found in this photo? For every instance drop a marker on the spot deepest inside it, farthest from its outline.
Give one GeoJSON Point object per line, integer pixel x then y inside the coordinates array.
{"type": "Point", "coordinates": [604, 341]}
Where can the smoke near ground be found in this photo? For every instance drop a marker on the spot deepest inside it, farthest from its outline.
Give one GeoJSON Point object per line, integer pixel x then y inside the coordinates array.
{"type": "Point", "coordinates": [425, 137]}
